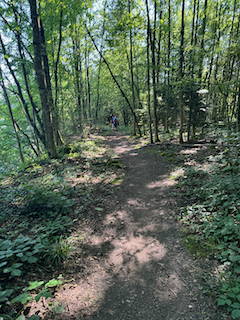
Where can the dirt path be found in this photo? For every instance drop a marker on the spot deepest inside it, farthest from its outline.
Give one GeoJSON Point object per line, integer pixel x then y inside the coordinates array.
{"type": "Point", "coordinates": [135, 266]}
{"type": "Point", "coordinates": [153, 276]}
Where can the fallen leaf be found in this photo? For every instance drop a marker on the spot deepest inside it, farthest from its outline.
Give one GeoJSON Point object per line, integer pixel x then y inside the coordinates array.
{"type": "Point", "coordinates": [111, 312]}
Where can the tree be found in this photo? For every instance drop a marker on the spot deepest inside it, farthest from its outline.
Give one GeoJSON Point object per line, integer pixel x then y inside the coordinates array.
{"type": "Point", "coordinates": [44, 91]}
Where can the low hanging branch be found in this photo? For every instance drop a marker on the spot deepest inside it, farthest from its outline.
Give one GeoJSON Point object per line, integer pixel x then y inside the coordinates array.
{"type": "Point", "coordinates": [114, 79]}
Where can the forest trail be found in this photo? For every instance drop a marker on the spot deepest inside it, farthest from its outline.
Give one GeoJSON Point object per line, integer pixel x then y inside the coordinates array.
{"type": "Point", "coordinates": [134, 264]}
{"type": "Point", "coordinates": [154, 277]}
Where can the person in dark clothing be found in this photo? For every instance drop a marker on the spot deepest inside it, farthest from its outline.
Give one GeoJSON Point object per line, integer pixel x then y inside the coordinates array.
{"type": "Point", "coordinates": [115, 122]}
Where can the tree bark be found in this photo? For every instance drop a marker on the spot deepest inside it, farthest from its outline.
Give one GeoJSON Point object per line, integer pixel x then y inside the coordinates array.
{"type": "Point", "coordinates": [148, 86]}
{"type": "Point", "coordinates": [44, 93]}
{"type": "Point", "coordinates": [152, 42]}
{"type": "Point", "coordinates": [181, 76]}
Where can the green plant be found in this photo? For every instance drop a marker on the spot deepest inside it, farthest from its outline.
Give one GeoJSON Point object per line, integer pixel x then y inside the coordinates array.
{"type": "Point", "coordinates": [58, 226]}
{"type": "Point", "coordinates": [26, 296]}
{"type": "Point", "coordinates": [214, 217]}
{"type": "Point", "coordinates": [57, 252]}
{"type": "Point", "coordinates": [15, 254]}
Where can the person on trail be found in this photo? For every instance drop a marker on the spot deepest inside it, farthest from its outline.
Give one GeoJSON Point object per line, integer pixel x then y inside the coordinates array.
{"type": "Point", "coordinates": [115, 122]}
{"type": "Point", "coordinates": [112, 118]}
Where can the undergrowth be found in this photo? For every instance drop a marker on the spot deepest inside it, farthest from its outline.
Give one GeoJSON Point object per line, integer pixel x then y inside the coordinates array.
{"type": "Point", "coordinates": [213, 219]}
{"type": "Point", "coordinates": [39, 209]}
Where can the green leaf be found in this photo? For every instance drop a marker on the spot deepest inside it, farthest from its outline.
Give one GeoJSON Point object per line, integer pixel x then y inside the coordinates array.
{"type": "Point", "coordinates": [59, 309]}
{"type": "Point", "coordinates": [236, 305]}
{"type": "Point", "coordinates": [16, 265]}
{"type": "Point", "coordinates": [5, 294]}
{"type": "Point", "coordinates": [16, 272]}
{"type": "Point", "coordinates": [235, 290]}
{"type": "Point", "coordinates": [98, 209]}
{"type": "Point", "coordinates": [32, 260]}
{"type": "Point", "coordinates": [238, 297]}
{"type": "Point", "coordinates": [20, 254]}
{"type": "Point", "coordinates": [53, 283]}
{"type": "Point", "coordinates": [23, 298]}
{"type": "Point", "coordinates": [236, 313]}
{"type": "Point", "coordinates": [35, 284]}
{"type": "Point", "coordinates": [21, 317]}
{"type": "Point", "coordinates": [34, 317]}
{"type": "Point", "coordinates": [234, 258]}
{"type": "Point", "coordinates": [221, 302]}
{"type": "Point", "coordinates": [44, 293]}
{"type": "Point", "coordinates": [3, 264]}
{"type": "Point", "coordinates": [228, 302]}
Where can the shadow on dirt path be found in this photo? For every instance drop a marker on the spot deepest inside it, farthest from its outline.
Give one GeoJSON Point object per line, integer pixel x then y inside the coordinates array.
{"type": "Point", "coordinates": [152, 275]}
{"type": "Point", "coordinates": [140, 269]}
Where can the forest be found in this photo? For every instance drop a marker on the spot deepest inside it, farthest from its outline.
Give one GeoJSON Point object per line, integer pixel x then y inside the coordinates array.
{"type": "Point", "coordinates": [67, 65]}
{"type": "Point", "coordinates": [169, 70]}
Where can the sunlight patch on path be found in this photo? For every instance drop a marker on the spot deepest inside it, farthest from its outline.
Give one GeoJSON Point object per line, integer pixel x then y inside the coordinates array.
{"type": "Point", "coordinates": [166, 183]}
{"type": "Point", "coordinates": [139, 249]}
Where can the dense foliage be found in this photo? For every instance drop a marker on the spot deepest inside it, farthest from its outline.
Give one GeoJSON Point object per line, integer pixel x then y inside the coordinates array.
{"type": "Point", "coordinates": [159, 63]}
{"type": "Point", "coordinates": [213, 218]}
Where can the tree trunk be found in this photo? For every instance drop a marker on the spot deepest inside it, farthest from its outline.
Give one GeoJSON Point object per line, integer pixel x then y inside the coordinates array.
{"type": "Point", "coordinates": [41, 80]}
{"type": "Point", "coordinates": [148, 82]}
{"type": "Point", "coordinates": [181, 76]}
{"type": "Point", "coordinates": [20, 93]}
{"type": "Point", "coordinates": [57, 134]}
{"type": "Point", "coordinates": [131, 64]}
{"type": "Point", "coordinates": [202, 41]}
{"type": "Point", "coordinates": [11, 115]}
{"type": "Point", "coordinates": [152, 42]}
{"type": "Point", "coordinates": [78, 84]}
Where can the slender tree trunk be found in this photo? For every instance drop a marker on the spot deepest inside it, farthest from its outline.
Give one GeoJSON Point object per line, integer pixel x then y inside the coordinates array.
{"type": "Point", "coordinates": [191, 69]}
{"type": "Point", "coordinates": [41, 80]}
{"type": "Point", "coordinates": [152, 42]}
{"type": "Point", "coordinates": [213, 53]}
{"type": "Point", "coordinates": [23, 64]}
{"type": "Point", "coordinates": [148, 86]}
{"type": "Point", "coordinates": [131, 63]}
{"type": "Point", "coordinates": [99, 66]}
{"type": "Point", "coordinates": [89, 92]}
{"type": "Point", "coordinates": [202, 40]}
{"type": "Point", "coordinates": [57, 134]}
{"type": "Point", "coordinates": [84, 103]}
{"type": "Point", "coordinates": [168, 63]}
{"type": "Point", "coordinates": [181, 77]}
{"type": "Point", "coordinates": [159, 45]}
{"type": "Point", "coordinates": [77, 78]}
{"type": "Point", "coordinates": [25, 105]}
{"type": "Point", "coordinates": [11, 114]}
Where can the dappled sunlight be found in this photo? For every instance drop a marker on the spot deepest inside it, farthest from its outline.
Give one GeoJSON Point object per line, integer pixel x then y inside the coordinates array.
{"type": "Point", "coordinates": [138, 250]}
{"type": "Point", "coordinates": [177, 173]}
{"type": "Point", "coordinates": [128, 264]}
{"type": "Point", "coordinates": [165, 183]}
{"type": "Point", "coordinates": [190, 151]}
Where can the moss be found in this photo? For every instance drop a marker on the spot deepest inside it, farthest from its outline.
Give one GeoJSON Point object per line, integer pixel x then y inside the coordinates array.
{"type": "Point", "coordinates": [199, 247]}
